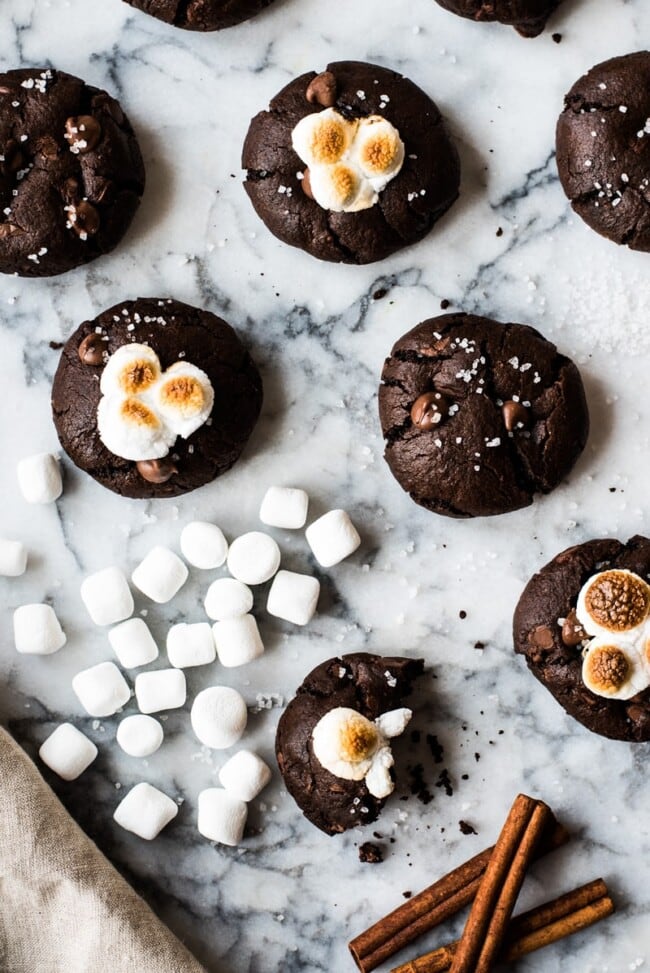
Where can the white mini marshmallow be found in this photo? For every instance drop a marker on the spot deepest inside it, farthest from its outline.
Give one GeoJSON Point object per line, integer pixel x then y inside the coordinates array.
{"type": "Point", "coordinates": [203, 545]}
{"type": "Point", "coordinates": [238, 641]}
{"type": "Point", "coordinates": [183, 398]}
{"type": "Point", "coordinates": [245, 775]}
{"type": "Point", "coordinates": [133, 643]}
{"type": "Point", "coordinates": [332, 538]}
{"type": "Point", "coordinates": [145, 811]}
{"type": "Point", "coordinates": [190, 645]}
{"type": "Point", "coordinates": [323, 138]}
{"type": "Point", "coordinates": [253, 558]}
{"type": "Point", "coordinates": [132, 369]}
{"type": "Point", "coordinates": [293, 597]}
{"type": "Point", "coordinates": [68, 752]}
{"type": "Point", "coordinates": [341, 189]}
{"type": "Point", "coordinates": [139, 735]}
{"type": "Point", "coordinates": [222, 817]}
{"type": "Point", "coordinates": [130, 428]}
{"type": "Point", "coordinates": [39, 478]}
{"type": "Point", "coordinates": [160, 574]}
{"type": "Point", "coordinates": [377, 151]}
{"type": "Point", "coordinates": [161, 689]}
{"type": "Point", "coordinates": [13, 558]}
{"type": "Point", "coordinates": [107, 596]}
{"type": "Point", "coordinates": [37, 630]}
{"type": "Point", "coordinates": [284, 507]}
{"type": "Point", "coordinates": [219, 717]}
{"type": "Point", "coordinates": [228, 598]}
{"type": "Point", "coordinates": [102, 689]}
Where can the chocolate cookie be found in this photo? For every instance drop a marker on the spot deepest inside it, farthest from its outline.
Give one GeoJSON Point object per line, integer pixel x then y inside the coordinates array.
{"type": "Point", "coordinates": [71, 173]}
{"type": "Point", "coordinates": [351, 164]}
{"type": "Point", "coordinates": [479, 416]}
{"type": "Point", "coordinates": [367, 684]}
{"type": "Point", "coordinates": [583, 621]}
{"type": "Point", "coordinates": [201, 14]}
{"type": "Point", "coordinates": [603, 149]}
{"type": "Point", "coordinates": [155, 398]}
{"type": "Point", "coordinates": [527, 16]}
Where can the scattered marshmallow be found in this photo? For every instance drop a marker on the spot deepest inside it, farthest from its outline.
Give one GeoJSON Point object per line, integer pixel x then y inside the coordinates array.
{"type": "Point", "coordinates": [293, 597]}
{"type": "Point", "coordinates": [203, 545]}
{"type": "Point", "coordinates": [37, 630]}
{"type": "Point", "coordinates": [219, 717]}
{"type": "Point", "coordinates": [332, 538]}
{"type": "Point", "coordinates": [102, 689]}
{"type": "Point", "coordinates": [13, 558]}
{"type": "Point", "coordinates": [253, 558]}
{"type": "Point", "coordinates": [139, 735]}
{"type": "Point", "coordinates": [245, 775]}
{"type": "Point", "coordinates": [39, 478]}
{"type": "Point", "coordinates": [190, 645]}
{"type": "Point", "coordinates": [145, 811]}
{"type": "Point", "coordinates": [228, 598]}
{"type": "Point", "coordinates": [68, 752]}
{"type": "Point", "coordinates": [238, 641]}
{"type": "Point", "coordinates": [133, 643]}
{"type": "Point", "coordinates": [222, 817]}
{"type": "Point", "coordinates": [284, 507]}
{"type": "Point", "coordinates": [161, 689]}
{"type": "Point", "coordinates": [107, 596]}
{"type": "Point", "coordinates": [160, 575]}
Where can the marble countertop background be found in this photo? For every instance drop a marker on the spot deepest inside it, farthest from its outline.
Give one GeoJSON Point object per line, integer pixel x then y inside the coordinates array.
{"type": "Point", "coordinates": [290, 897]}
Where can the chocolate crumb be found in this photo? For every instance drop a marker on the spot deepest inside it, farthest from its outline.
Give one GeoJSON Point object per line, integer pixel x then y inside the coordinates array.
{"type": "Point", "coordinates": [436, 748]}
{"type": "Point", "coordinates": [477, 757]}
{"type": "Point", "coordinates": [370, 853]}
{"type": "Point", "coordinates": [379, 293]}
{"type": "Point", "coordinates": [407, 895]}
{"type": "Point", "coordinates": [464, 776]}
{"type": "Point", "coordinates": [462, 614]}
{"type": "Point", "coordinates": [56, 345]}
{"type": "Point", "coordinates": [557, 38]}
{"type": "Point", "coordinates": [376, 834]}
{"type": "Point", "coordinates": [466, 828]}
{"type": "Point", "coordinates": [444, 781]}
{"type": "Point", "coordinates": [418, 785]}
{"type": "Point", "coordinates": [479, 645]}
{"type": "Point", "coordinates": [500, 231]}
{"type": "Point", "coordinates": [444, 304]}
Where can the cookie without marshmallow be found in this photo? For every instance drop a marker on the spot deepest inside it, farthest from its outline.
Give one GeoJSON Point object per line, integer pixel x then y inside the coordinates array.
{"type": "Point", "coordinates": [528, 17]}
{"type": "Point", "coordinates": [407, 208]}
{"type": "Point", "coordinates": [370, 684]}
{"type": "Point", "coordinates": [550, 596]}
{"type": "Point", "coordinates": [204, 15]}
{"type": "Point", "coordinates": [69, 154]}
{"type": "Point", "coordinates": [479, 416]}
{"type": "Point", "coordinates": [603, 149]}
{"type": "Point", "coordinates": [174, 331]}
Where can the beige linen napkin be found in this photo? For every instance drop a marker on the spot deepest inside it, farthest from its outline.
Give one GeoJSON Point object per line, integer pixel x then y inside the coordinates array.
{"type": "Point", "coordinates": [63, 907]}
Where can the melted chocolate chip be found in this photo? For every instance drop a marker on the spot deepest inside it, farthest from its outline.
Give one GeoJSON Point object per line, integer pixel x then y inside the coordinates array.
{"type": "Point", "coordinates": [542, 637]}
{"type": "Point", "coordinates": [429, 410]}
{"type": "Point", "coordinates": [572, 631]}
{"type": "Point", "coordinates": [156, 470]}
{"type": "Point", "coordinates": [513, 414]}
{"type": "Point", "coordinates": [8, 229]}
{"type": "Point", "coordinates": [84, 219]}
{"type": "Point", "coordinates": [83, 132]}
{"type": "Point", "coordinates": [322, 90]}
{"type": "Point", "coordinates": [91, 349]}
{"type": "Point", "coordinates": [306, 184]}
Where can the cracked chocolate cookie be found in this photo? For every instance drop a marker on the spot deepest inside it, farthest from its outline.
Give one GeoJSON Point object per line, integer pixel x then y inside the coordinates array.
{"type": "Point", "coordinates": [528, 17]}
{"type": "Point", "coordinates": [603, 149]}
{"type": "Point", "coordinates": [71, 173]}
{"type": "Point", "coordinates": [332, 742]}
{"type": "Point", "coordinates": [202, 15]}
{"type": "Point", "coordinates": [155, 398]}
{"type": "Point", "coordinates": [350, 164]}
{"type": "Point", "coordinates": [479, 416]}
{"type": "Point", "coordinates": [583, 626]}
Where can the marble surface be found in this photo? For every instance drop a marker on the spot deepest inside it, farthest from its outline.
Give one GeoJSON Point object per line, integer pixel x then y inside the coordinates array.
{"type": "Point", "coordinates": [290, 897]}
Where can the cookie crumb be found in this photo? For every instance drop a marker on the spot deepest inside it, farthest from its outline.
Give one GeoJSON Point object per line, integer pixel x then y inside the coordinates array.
{"type": "Point", "coordinates": [557, 38]}
{"type": "Point", "coordinates": [444, 304]}
{"type": "Point", "coordinates": [466, 828]}
{"type": "Point", "coordinates": [370, 853]}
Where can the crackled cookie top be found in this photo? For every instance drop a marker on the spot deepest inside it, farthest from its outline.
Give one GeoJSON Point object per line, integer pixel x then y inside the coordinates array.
{"type": "Point", "coordinates": [527, 16]}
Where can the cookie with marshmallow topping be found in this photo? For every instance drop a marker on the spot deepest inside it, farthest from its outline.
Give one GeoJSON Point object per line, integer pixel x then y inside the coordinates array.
{"type": "Point", "coordinates": [583, 625]}
{"type": "Point", "coordinates": [351, 164]}
{"type": "Point", "coordinates": [334, 740]}
{"type": "Point", "coordinates": [154, 398]}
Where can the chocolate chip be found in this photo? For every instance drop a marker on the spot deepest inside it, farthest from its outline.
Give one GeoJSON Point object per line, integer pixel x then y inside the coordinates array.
{"type": "Point", "coordinates": [513, 414]}
{"type": "Point", "coordinates": [91, 349]}
{"type": "Point", "coordinates": [84, 219]}
{"type": "Point", "coordinates": [572, 631]}
{"type": "Point", "coordinates": [8, 229]}
{"type": "Point", "coordinates": [306, 185]}
{"type": "Point", "coordinates": [322, 90]}
{"type": "Point", "coordinates": [83, 132]}
{"type": "Point", "coordinates": [542, 637]}
{"type": "Point", "coordinates": [156, 470]}
{"type": "Point", "coordinates": [429, 410]}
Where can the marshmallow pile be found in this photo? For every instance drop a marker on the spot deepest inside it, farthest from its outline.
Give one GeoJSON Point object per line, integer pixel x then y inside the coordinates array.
{"type": "Point", "coordinates": [349, 161]}
{"type": "Point", "coordinates": [219, 714]}
{"type": "Point", "coordinates": [614, 611]}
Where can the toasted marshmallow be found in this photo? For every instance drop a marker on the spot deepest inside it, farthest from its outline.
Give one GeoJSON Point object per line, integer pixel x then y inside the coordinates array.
{"type": "Point", "coordinates": [131, 429]}
{"type": "Point", "coordinates": [377, 151]}
{"type": "Point", "coordinates": [612, 670]}
{"type": "Point", "coordinates": [613, 603]}
{"type": "Point", "coordinates": [131, 370]}
{"type": "Point", "coordinates": [323, 138]}
{"type": "Point", "coordinates": [183, 398]}
{"type": "Point", "coordinates": [341, 189]}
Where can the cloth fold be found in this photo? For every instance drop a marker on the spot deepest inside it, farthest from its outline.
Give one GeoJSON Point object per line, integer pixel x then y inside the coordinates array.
{"type": "Point", "coordinates": [63, 907]}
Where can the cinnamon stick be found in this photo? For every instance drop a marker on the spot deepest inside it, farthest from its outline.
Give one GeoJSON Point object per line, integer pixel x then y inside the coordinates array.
{"type": "Point", "coordinates": [434, 905]}
{"type": "Point", "coordinates": [498, 890]}
{"type": "Point", "coordinates": [541, 926]}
